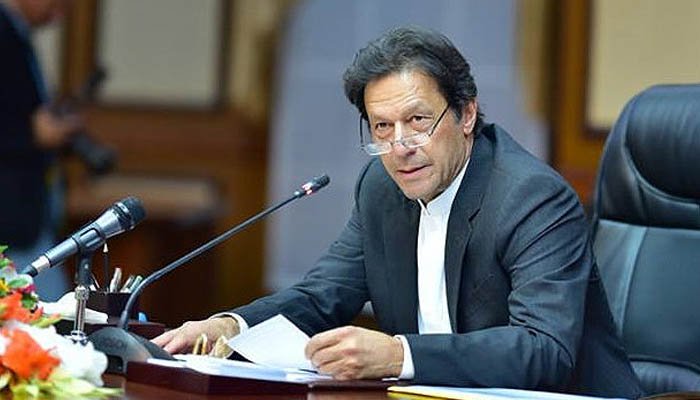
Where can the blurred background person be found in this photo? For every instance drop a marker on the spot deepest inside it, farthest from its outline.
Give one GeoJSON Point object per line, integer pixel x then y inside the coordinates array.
{"type": "Point", "coordinates": [31, 134]}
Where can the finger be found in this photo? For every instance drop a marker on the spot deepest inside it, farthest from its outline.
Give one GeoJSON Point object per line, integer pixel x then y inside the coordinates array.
{"type": "Point", "coordinates": [323, 340]}
{"type": "Point", "coordinates": [163, 339]}
{"type": "Point", "coordinates": [179, 344]}
{"type": "Point", "coordinates": [342, 369]}
{"type": "Point", "coordinates": [174, 341]}
{"type": "Point", "coordinates": [325, 357]}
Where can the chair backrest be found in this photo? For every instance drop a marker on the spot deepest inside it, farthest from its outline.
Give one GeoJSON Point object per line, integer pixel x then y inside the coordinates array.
{"type": "Point", "coordinates": [647, 234]}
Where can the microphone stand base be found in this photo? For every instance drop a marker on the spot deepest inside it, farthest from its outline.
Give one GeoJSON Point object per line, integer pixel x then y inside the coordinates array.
{"type": "Point", "coordinates": [122, 346]}
{"type": "Point", "coordinates": [77, 336]}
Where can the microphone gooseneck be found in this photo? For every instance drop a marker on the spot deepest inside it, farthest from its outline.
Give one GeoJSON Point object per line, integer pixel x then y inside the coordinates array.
{"type": "Point", "coordinates": [306, 189]}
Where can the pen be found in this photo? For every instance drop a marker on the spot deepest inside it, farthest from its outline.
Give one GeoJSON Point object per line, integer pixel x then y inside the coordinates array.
{"type": "Point", "coordinates": [127, 284]}
{"type": "Point", "coordinates": [105, 263]}
{"type": "Point", "coordinates": [116, 278]}
{"type": "Point", "coordinates": [94, 283]}
{"type": "Point", "coordinates": [135, 284]}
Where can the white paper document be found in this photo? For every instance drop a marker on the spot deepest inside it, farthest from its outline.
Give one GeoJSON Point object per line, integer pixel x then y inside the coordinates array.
{"type": "Point", "coordinates": [275, 348]}
{"type": "Point", "coordinates": [460, 393]}
{"type": "Point", "coordinates": [276, 343]}
{"type": "Point", "coordinates": [241, 369]}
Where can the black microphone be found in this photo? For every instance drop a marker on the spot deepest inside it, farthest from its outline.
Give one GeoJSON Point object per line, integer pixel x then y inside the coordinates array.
{"type": "Point", "coordinates": [312, 186]}
{"type": "Point", "coordinates": [120, 217]}
{"type": "Point", "coordinates": [122, 346]}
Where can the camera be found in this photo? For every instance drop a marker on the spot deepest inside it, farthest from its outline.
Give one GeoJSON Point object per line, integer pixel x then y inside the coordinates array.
{"type": "Point", "coordinates": [98, 158]}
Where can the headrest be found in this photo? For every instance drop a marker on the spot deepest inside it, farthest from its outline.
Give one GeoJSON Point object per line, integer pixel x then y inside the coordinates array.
{"type": "Point", "coordinates": [650, 170]}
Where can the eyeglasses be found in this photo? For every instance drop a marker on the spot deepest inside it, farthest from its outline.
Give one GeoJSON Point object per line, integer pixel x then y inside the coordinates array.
{"type": "Point", "coordinates": [412, 141]}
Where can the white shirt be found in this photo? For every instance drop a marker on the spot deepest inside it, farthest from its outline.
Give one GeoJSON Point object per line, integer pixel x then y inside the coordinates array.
{"type": "Point", "coordinates": [433, 316]}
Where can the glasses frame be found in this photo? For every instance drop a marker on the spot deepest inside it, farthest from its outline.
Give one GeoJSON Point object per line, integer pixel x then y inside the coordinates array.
{"type": "Point", "coordinates": [402, 141]}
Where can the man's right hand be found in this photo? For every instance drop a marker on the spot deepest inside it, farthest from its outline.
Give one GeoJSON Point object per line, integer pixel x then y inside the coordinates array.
{"type": "Point", "coordinates": [52, 131]}
{"type": "Point", "coordinates": [182, 339]}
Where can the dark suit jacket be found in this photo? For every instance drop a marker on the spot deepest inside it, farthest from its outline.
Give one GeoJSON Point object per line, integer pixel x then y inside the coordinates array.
{"type": "Point", "coordinates": [524, 297]}
{"type": "Point", "coordinates": [22, 164]}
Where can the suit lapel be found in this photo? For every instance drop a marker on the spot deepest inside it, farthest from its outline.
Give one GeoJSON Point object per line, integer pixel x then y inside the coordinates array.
{"type": "Point", "coordinates": [400, 238]}
{"type": "Point", "coordinates": [459, 229]}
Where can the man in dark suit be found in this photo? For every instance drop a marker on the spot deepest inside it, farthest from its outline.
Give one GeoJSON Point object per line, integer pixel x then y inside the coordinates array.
{"type": "Point", "coordinates": [474, 254]}
{"type": "Point", "coordinates": [29, 134]}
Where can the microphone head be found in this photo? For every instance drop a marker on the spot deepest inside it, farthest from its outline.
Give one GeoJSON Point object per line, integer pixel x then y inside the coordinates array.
{"type": "Point", "coordinates": [321, 181]}
{"type": "Point", "coordinates": [130, 211]}
{"type": "Point", "coordinates": [313, 185]}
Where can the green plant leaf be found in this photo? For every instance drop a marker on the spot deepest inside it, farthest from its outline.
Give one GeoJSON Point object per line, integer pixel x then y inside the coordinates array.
{"type": "Point", "coordinates": [19, 282]}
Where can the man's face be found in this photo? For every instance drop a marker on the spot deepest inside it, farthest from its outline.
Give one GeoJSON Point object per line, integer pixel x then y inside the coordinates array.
{"type": "Point", "coordinates": [394, 103]}
{"type": "Point", "coordinates": [41, 12]}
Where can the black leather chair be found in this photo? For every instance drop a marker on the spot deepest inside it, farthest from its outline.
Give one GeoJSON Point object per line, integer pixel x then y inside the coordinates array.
{"type": "Point", "coordinates": [647, 234]}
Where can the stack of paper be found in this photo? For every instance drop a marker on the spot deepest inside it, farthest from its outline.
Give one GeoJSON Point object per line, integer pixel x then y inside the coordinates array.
{"type": "Point", "coordinates": [241, 369]}
{"type": "Point", "coordinates": [275, 348]}
{"type": "Point", "coordinates": [459, 393]}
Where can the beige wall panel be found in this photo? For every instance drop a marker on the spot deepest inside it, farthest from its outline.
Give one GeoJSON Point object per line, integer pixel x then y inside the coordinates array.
{"type": "Point", "coordinates": [635, 44]}
{"type": "Point", "coordinates": [160, 51]}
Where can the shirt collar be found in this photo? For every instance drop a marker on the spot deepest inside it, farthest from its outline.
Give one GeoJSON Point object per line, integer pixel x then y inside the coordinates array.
{"type": "Point", "coordinates": [442, 204]}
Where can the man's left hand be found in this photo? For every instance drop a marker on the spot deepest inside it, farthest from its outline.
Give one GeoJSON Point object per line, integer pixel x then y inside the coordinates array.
{"type": "Point", "coordinates": [355, 353]}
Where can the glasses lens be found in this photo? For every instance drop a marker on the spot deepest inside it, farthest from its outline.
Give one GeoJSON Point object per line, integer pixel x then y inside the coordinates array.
{"type": "Point", "coordinates": [375, 149]}
{"type": "Point", "coordinates": [416, 140]}
{"type": "Point", "coordinates": [411, 142]}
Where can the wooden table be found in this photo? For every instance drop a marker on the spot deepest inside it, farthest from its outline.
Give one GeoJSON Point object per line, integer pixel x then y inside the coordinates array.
{"type": "Point", "coordinates": [140, 391]}
{"type": "Point", "coordinates": [134, 391]}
